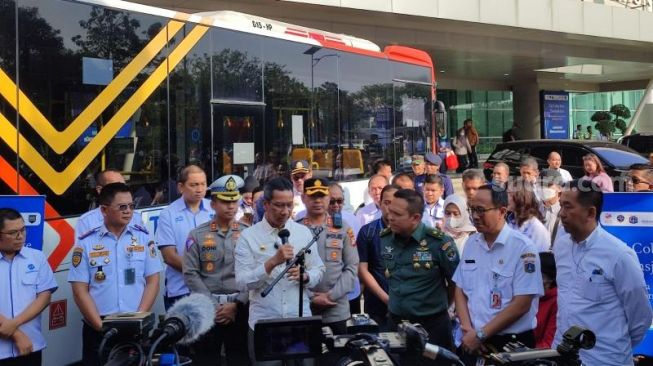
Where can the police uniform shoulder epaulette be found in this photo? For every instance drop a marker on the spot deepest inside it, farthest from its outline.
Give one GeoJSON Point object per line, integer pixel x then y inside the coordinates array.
{"type": "Point", "coordinates": [141, 229]}
{"type": "Point", "coordinates": [243, 225]}
{"type": "Point", "coordinates": [203, 225]}
{"type": "Point", "coordinates": [385, 231]}
{"type": "Point", "coordinates": [435, 233]}
{"type": "Point", "coordinates": [88, 233]}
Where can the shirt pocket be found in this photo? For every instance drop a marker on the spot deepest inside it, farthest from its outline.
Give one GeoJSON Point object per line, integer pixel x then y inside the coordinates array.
{"type": "Point", "coordinates": [470, 272]}
{"type": "Point", "coordinates": [502, 280]}
{"type": "Point", "coordinates": [137, 262]}
{"type": "Point", "coordinates": [595, 288]}
{"type": "Point", "coordinates": [210, 259]}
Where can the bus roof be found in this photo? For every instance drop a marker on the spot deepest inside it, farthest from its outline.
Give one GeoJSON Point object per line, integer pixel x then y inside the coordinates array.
{"type": "Point", "coordinates": [247, 23]}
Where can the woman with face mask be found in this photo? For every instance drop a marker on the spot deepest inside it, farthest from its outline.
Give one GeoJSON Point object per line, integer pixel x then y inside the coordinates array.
{"type": "Point", "coordinates": [457, 222]}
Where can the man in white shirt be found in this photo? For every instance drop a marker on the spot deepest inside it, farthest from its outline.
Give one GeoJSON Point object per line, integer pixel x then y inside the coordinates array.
{"type": "Point", "coordinates": [529, 171]}
{"type": "Point", "coordinates": [498, 281]}
{"type": "Point", "coordinates": [261, 257]}
{"type": "Point", "coordinates": [300, 171]}
{"type": "Point", "coordinates": [555, 161]}
{"type": "Point", "coordinates": [433, 202]}
{"type": "Point", "coordinates": [600, 283]}
{"type": "Point", "coordinates": [371, 211]}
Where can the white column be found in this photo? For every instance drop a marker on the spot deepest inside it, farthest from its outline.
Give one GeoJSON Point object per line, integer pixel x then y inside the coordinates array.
{"type": "Point", "coordinates": [526, 110]}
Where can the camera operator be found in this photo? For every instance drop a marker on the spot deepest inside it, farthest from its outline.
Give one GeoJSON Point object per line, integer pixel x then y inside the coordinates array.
{"type": "Point", "coordinates": [209, 269]}
{"type": "Point", "coordinates": [600, 282]}
{"type": "Point", "coordinates": [337, 249]}
{"type": "Point", "coordinates": [258, 263]}
{"type": "Point", "coordinates": [498, 281]}
{"type": "Point", "coordinates": [419, 263]}
{"type": "Point", "coordinates": [115, 268]}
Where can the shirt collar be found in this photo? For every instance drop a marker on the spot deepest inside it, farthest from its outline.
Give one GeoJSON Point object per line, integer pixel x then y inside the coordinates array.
{"type": "Point", "coordinates": [179, 204]}
{"type": "Point", "coordinates": [269, 229]}
{"type": "Point", "coordinates": [21, 253]}
{"type": "Point", "coordinates": [591, 238]}
{"type": "Point", "coordinates": [102, 231]}
{"type": "Point", "coordinates": [501, 239]}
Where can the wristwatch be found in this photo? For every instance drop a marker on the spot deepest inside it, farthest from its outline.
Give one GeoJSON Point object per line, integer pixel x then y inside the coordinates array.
{"type": "Point", "coordinates": [480, 334]}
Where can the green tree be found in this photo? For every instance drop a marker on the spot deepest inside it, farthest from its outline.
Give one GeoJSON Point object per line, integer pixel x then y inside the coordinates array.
{"type": "Point", "coordinates": [621, 112]}
{"type": "Point", "coordinates": [604, 123]}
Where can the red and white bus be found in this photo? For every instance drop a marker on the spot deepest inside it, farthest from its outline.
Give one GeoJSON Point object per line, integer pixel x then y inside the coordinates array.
{"type": "Point", "coordinates": [92, 84]}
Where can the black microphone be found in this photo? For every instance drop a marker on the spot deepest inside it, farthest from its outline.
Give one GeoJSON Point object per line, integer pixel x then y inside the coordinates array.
{"type": "Point", "coordinates": [283, 234]}
{"type": "Point", "coordinates": [417, 337]}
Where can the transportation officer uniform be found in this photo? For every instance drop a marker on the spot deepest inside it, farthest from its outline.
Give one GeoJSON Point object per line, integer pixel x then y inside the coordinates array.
{"type": "Point", "coordinates": [22, 279]}
{"type": "Point", "coordinates": [418, 271]}
{"type": "Point", "coordinates": [299, 167]}
{"type": "Point", "coordinates": [115, 270]}
{"type": "Point", "coordinates": [337, 249]}
{"type": "Point", "coordinates": [433, 214]}
{"type": "Point", "coordinates": [93, 219]}
{"type": "Point", "coordinates": [209, 269]}
{"type": "Point", "coordinates": [175, 222]}
{"type": "Point", "coordinates": [490, 277]}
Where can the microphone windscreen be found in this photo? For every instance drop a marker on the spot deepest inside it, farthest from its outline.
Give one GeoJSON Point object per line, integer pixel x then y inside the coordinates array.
{"type": "Point", "coordinates": [284, 234]}
{"type": "Point", "coordinates": [199, 309]}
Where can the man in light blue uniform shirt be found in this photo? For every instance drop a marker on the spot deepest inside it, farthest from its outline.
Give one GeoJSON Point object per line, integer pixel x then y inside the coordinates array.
{"type": "Point", "coordinates": [600, 283]}
{"type": "Point", "coordinates": [93, 218]}
{"type": "Point", "coordinates": [115, 268]}
{"type": "Point", "coordinates": [26, 283]}
{"type": "Point", "coordinates": [175, 222]}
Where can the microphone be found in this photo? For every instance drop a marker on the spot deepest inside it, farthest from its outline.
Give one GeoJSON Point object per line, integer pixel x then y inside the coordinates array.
{"type": "Point", "coordinates": [416, 337]}
{"type": "Point", "coordinates": [434, 352]}
{"type": "Point", "coordinates": [187, 320]}
{"type": "Point", "coordinates": [283, 234]}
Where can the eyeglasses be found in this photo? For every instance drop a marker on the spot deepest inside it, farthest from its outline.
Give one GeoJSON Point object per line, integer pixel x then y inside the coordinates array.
{"type": "Point", "coordinates": [337, 201]}
{"type": "Point", "coordinates": [125, 206]}
{"type": "Point", "coordinates": [480, 210]}
{"type": "Point", "coordinates": [15, 233]}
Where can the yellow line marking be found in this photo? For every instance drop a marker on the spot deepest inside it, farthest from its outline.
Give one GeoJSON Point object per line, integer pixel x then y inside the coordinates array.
{"type": "Point", "coordinates": [59, 182]}
{"type": "Point", "coordinates": [60, 141]}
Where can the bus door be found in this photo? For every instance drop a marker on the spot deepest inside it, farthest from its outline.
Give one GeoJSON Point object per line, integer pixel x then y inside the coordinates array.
{"type": "Point", "coordinates": [237, 133]}
{"type": "Point", "coordinates": [413, 111]}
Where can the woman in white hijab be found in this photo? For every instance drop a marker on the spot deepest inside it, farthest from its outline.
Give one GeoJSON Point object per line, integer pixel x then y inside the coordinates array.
{"type": "Point", "coordinates": [457, 223]}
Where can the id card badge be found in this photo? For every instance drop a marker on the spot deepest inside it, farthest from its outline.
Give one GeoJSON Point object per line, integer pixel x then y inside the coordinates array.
{"type": "Point", "coordinates": [495, 299]}
{"type": "Point", "coordinates": [130, 276]}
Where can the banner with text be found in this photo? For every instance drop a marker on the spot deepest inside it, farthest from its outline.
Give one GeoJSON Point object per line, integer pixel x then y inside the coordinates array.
{"type": "Point", "coordinates": [555, 114]}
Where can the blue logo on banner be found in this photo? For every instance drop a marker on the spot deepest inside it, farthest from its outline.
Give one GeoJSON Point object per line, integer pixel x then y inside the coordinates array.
{"type": "Point", "coordinates": [555, 114]}
{"type": "Point", "coordinates": [637, 233]}
{"type": "Point", "coordinates": [32, 208]}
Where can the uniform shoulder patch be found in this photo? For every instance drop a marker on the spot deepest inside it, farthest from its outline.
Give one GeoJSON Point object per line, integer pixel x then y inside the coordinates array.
{"type": "Point", "coordinates": [385, 231]}
{"type": "Point", "coordinates": [141, 229]}
{"type": "Point", "coordinates": [435, 233]}
{"type": "Point", "coordinates": [77, 256]}
{"type": "Point", "coordinates": [88, 233]}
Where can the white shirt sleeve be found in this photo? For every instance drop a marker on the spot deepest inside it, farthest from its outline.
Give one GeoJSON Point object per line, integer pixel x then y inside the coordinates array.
{"type": "Point", "coordinates": [629, 284]}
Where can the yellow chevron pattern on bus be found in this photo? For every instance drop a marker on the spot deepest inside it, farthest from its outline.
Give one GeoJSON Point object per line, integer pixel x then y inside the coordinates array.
{"type": "Point", "coordinates": [57, 181]}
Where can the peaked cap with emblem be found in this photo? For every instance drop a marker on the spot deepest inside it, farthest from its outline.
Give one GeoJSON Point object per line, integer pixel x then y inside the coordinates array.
{"type": "Point", "coordinates": [299, 166]}
{"type": "Point", "coordinates": [226, 188]}
{"type": "Point", "coordinates": [315, 186]}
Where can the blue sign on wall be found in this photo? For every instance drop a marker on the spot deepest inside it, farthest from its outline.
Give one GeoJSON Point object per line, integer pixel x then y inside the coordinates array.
{"type": "Point", "coordinates": [33, 210]}
{"type": "Point", "coordinates": [555, 114]}
{"type": "Point", "coordinates": [629, 217]}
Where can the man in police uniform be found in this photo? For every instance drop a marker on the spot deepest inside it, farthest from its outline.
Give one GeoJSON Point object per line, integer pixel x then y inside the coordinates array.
{"type": "Point", "coordinates": [419, 263]}
{"type": "Point", "coordinates": [175, 222]}
{"type": "Point", "coordinates": [336, 246]}
{"type": "Point", "coordinates": [498, 282]}
{"type": "Point", "coordinates": [209, 269]}
{"type": "Point", "coordinates": [26, 283]}
{"type": "Point", "coordinates": [299, 173]}
{"type": "Point", "coordinates": [115, 268]}
{"type": "Point", "coordinates": [94, 218]}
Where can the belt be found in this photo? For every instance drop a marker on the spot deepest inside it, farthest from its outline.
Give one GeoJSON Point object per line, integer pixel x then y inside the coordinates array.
{"type": "Point", "coordinates": [225, 298]}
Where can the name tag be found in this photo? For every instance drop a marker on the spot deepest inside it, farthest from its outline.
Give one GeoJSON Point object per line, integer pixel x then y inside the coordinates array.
{"type": "Point", "coordinates": [103, 253]}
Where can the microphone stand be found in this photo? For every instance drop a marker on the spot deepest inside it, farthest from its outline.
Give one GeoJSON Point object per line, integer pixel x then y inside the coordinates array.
{"type": "Point", "coordinates": [298, 260]}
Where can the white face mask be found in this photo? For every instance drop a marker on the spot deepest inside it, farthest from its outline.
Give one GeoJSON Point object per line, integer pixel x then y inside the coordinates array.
{"type": "Point", "coordinates": [548, 194]}
{"type": "Point", "coordinates": [454, 222]}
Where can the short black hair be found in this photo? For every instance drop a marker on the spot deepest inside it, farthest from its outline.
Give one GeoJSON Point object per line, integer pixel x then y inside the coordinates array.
{"type": "Point", "coordinates": [589, 195]}
{"type": "Point", "coordinates": [99, 176]}
{"type": "Point", "coordinates": [257, 190]}
{"type": "Point", "coordinates": [414, 199]}
{"type": "Point", "coordinates": [7, 213]}
{"type": "Point", "coordinates": [379, 163]}
{"type": "Point", "coordinates": [640, 166]}
{"type": "Point", "coordinates": [187, 171]}
{"type": "Point", "coordinates": [401, 176]}
{"type": "Point", "coordinates": [388, 188]}
{"type": "Point", "coordinates": [108, 192]}
{"type": "Point", "coordinates": [275, 184]}
{"type": "Point", "coordinates": [548, 265]}
{"type": "Point", "coordinates": [498, 193]}
{"type": "Point", "coordinates": [434, 179]}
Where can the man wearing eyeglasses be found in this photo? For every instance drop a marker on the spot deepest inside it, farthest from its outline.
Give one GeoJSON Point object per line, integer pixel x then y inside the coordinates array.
{"type": "Point", "coordinates": [641, 178]}
{"type": "Point", "coordinates": [300, 172]}
{"type": "Point", "coordinates": [93, 218]}
{"type": "Point", "coordinates": [26, 284]}
{"type": "Point", "coordinates": [261, 257]}
{"type": "Point", "coordinates": [498, 281]}
{"type": "Point", "coordinates": [115, 268]}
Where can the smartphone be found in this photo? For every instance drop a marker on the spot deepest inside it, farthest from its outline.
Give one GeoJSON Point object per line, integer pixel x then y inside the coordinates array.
{"type": "Point", "coordinates": [337, 220]}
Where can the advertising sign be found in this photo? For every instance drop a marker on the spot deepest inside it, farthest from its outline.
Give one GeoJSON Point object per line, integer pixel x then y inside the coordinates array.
{"type": "Point", "coordinates": [629, 217]}
{"type": "Point", "coordinates": [555, 114]}
{"type": "Point", "coordinates": [33, 210]}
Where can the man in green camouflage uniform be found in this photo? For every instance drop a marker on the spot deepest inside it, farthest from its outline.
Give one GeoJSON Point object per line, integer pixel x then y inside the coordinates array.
{"type": "Point", "coordinates": [419, 264]}
{"type": "Point", "coordinates": [208, 268]}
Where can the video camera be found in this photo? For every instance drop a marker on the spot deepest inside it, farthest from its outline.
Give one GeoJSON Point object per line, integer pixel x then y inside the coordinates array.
{"type": "Point", "coordinates": [296, 338]}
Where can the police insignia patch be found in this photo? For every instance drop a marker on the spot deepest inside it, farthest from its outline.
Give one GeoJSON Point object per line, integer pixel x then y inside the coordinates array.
{"type": "Point", "coordinates": [152, 248]}
{"type": "Point", "coordinates": [352, 238]}
{"type": "Point", "coordinates": [77, 256]}
{"type": "Point", "coordinates": [529, 267]}
{"type": "Point", "coordinates": [209, 267]}
{"type": "Point", "coordinates": [98, 247]}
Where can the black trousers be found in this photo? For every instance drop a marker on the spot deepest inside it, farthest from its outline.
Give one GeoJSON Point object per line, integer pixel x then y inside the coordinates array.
{"type": "Point", "coordinates": [496, 344]}
{"type": "Point", "coordinates": [33, 359]}
{"type": "Point", "coordinates": [473, 158]}
{"type": "Point", "coordinates": [207, 350]}
{"type": "Point", "coordinates": [438, 327]}
{"type": "Point", "coordinates": [91, 339]}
